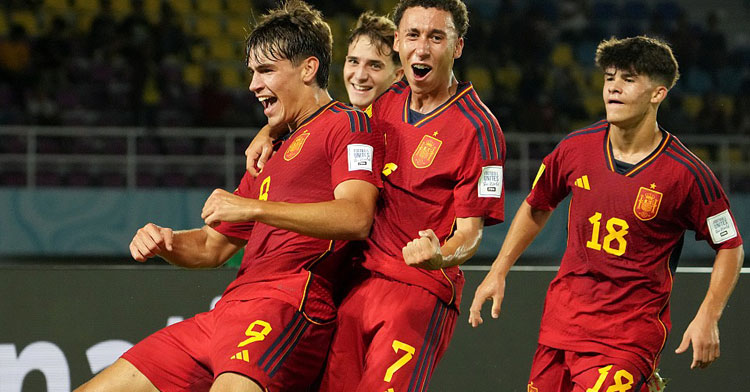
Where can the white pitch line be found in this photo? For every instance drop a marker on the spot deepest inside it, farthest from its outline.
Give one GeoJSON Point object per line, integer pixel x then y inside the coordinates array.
{"type": "Point", "coordinates": [554, 268]}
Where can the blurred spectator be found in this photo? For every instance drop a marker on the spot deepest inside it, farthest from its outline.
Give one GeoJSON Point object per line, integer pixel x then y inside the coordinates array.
{"type": "Point", "coordinates": [213, 101]}
{"type": "Point", "coordinates": [102, 36]}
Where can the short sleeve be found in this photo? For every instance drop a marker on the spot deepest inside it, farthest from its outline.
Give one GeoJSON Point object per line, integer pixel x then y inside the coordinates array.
{"type": "Point", "coordinates": [550, 184]}
{"type": "Point", "coordinates": [709, 214]}
{"type": "Point", "coordinates": [239, 229]}
{"type": "Point", "coordinates": [480, 191]}
{"type": "Point", "coordinates": [356, 150]}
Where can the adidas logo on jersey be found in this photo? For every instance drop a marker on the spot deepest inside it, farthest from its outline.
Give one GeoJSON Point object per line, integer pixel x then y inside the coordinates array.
{"type": "Point", "coordinates": [242, 356]}
{"type": "Point", "coordinates": [583, 182]}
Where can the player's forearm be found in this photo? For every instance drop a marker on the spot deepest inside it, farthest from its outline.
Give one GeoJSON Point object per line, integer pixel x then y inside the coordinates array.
{"type": "Point", "coordinates": [526, 225]}
{"type": "Point", "coordinates": [724, 277]}
{"type": "Point", "coordinates": [193, 249]}
{"type": "Point", "coordinates": [463, 244]}
{"type": "Point", "coordinates": [335, 219]}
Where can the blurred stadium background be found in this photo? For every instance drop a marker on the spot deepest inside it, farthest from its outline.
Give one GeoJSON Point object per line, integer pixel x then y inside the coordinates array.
{"type": "Point", "coordinates": [114, 113]}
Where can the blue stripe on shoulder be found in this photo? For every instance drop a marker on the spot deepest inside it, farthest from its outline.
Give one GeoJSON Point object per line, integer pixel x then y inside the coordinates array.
{"type": "Point", "coordinates": [681, 160]}
{"type": "Point", "coordinates": [477, 127]}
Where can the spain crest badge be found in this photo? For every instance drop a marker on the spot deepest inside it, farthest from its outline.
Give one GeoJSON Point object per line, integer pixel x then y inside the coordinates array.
{"type": "Point", "coordinates": [296, 146]}
{"type": "Point", "coordinates": [426, 151]}
{"type": "Point", "coordinates": [647, 204]}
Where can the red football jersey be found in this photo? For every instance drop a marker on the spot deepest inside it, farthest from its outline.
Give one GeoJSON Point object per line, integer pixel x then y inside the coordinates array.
{"type": "Point", "coordinates": [444, 166]}
{"type": "Point", "coordinates": [625, 232]}
{"type": "Point", "coordinates": [333, 145]}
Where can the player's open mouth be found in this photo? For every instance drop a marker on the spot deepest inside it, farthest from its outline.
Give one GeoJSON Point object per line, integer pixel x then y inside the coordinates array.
{"type": "Point", "coordinates": [421, 70]}
{"type": "Point", "coordinates": [359, 87]}
{"type": "Point", "coordinates": [614, 101]}
{"type": "Point", "coordinates": [267, 102]}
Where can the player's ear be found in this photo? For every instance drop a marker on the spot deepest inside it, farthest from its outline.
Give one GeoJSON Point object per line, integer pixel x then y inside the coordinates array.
{"type": "Point", "coordinates": [459, 49]}
{"type": "Point", "coordinates": [395, 41]}
{"type": "Point", "coordinates": [309, 69]}
{"type": "Point", "coordinates": [399, 74]}
{"type": "Point", "coordinates": [659, 94]}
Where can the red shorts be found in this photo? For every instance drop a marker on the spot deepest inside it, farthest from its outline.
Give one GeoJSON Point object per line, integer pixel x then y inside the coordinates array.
{"type": "Point", "coordinates": [389, 336]}
{"type": "Point", "coordinates": [556, 370]}
{"type": "Point", "coordinates": [265, 339]}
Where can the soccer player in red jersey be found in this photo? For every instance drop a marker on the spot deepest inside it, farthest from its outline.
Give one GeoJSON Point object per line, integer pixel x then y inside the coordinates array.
{"type": "Point", "coordinates": [272, 327]}
{"type": "Point", "coordinates": [442, 183]}
{"type": "Point", "coordinates": [371, 67]}
{"type": "Point", "coordinates": [635, 190]}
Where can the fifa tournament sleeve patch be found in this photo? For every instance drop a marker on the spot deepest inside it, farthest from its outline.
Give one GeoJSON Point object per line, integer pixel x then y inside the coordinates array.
{"type": "Point", "coordinates": [491, 182]}
{"type": "Point", "coordinates": [360, 157]}
{"type": "Point", "coordinates": [721, 226]}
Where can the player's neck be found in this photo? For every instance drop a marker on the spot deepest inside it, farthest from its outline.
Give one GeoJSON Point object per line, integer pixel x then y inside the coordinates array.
{"type": "Point", "coordinates": [426, 101]}
{"type": "Point", "coordinates": [310, 102]}
{"type": "Point", "coordinates": [632, 144]}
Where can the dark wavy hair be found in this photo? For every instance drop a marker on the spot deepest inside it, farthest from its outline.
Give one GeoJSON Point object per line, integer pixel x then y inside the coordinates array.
{"type": "Point", "coordinates": [294, 32]}
{"type": "Point", "coordinates": [642, 55]}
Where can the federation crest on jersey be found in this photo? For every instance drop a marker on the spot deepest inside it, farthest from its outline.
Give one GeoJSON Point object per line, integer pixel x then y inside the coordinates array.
{"type": "Point", "coordinates": [647, 204]}
{"type": "Point", "coordinates": [426, 152]}
{"type": "Point", "coordinates": [296, 146]}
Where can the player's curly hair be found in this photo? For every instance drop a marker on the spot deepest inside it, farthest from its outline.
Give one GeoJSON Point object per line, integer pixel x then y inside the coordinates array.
{"type": "Point", "coordinates": [294, 31]}
{"type": "Point", "coordinates": [642, 55]}
{"type": "Point", "coordinates": [380, 30]}
{"type": "Point", "coordinates": [457, 8]}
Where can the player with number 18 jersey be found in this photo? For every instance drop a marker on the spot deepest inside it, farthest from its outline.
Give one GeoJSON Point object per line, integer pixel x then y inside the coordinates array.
{"type": "Point", "coordinates": [625, 232]}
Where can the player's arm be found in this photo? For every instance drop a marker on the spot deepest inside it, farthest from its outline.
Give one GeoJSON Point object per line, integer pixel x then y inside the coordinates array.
{"type": "Point", "coordinates": [348, 217]}
{"type": "Point", "coordinates": [703, 331]}
{"type": "Point", "coordinates": [196, 248]}
{"type": "Point", "coordinates": [260, 149]}
{"type": "Point", "coordinates": [426, 252]}
{"type": "Point", "coordinates": [526, 225]}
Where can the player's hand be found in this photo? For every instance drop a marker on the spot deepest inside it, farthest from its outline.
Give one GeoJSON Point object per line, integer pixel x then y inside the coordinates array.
{"type": "Point", "coordinates": [492, 287]}
{"type": "Point", "coordinates": [258, 153]}
{"type": "Point", "coordinates": [424, 252]}
{"type": "Point", "coordinates": [149, 241]}
{"type": "Point", "coordinates": [227, 207]}
{"type": "Point", "coordinates": [703, 334]}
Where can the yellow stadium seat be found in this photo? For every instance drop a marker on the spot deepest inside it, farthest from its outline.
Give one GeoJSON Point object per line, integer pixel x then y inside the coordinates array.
{"type": "Point", "coordinates": [83, 21]}
{"type": "Point", "coordinates": [123, 7]}
{"type": "Point", "coordinates": [726, 103]}
{"type": "Point", "coordinates": [562, 55]}
{"type": "Point", "coordinates": [237, 27]}
{"type": "Point", "coordinates": [26, 19]}
{"type": "Point", "coordinates": [231, 78]}
{"type": "Point", "coordinates": [594, 105]}
{"type": "Point", "coordinates": [207, 26]}
{"type": "Point", "coordinates": [3, 23]}
{"type": "Point", "coordinates": [183, 7]}
{"type": "Point", "coordinates": [223, 49]}
{"type": "Point", "coordinates": [735, 155]}
{"type": "Point", "coordinates": [701, 152]}
{"type": "Point", "coordinates": [192, 74]}
{"type": "Point", "coordinates": [198, 52]}
{"type": "Point", "coordinates": [508, 77]}
{"type": "Point", "coordinates": [211, 7]}
{"type": "Point", "coordinates": [596, 81]}
{"type": "Point", "coordinates": [152, 9]}
{"type": "Point", "coordinates": [241, 8]}
{"type": "Point", "coordinates": [91, 6]}
{"type": "Point", "coordinates": [692, 105]}
{"type": "Point", "coordinates": [481, 79]}
{"type": "Point", "coordinates": [57, 5]}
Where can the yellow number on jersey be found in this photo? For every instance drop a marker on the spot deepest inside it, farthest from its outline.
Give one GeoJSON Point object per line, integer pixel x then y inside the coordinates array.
{"type": "Point", "coordinates": [619, 386]}
{"type": "Point", "coordinates": [264, 189]}
{"type": "Point", "coordinates": [256, 336]}
{"type": "Point", "coordinates": [613, 234]}
{"type": "Point", "coordinates": [401, 361]}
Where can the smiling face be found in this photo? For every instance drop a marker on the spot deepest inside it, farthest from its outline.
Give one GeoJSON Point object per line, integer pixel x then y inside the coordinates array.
{"type": "Point", "coordinates": [629, 97]}
{"type": "Point", "coordinates": [368, 71]}
{"type": "Point", "coordinates": [428, 43]}
{"type": "Point", "coordinates": [276, 84]}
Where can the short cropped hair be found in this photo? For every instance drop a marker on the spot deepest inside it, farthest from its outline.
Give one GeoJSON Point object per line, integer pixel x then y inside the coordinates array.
{"type": "Point", "coordinates": [379, 30]}
{"type": "Point", "coordinates": [457, 9]}
{"type": "Point", "coordinates": [294, 32]}
{"type": "Point", "coordinates": [642, 55]}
